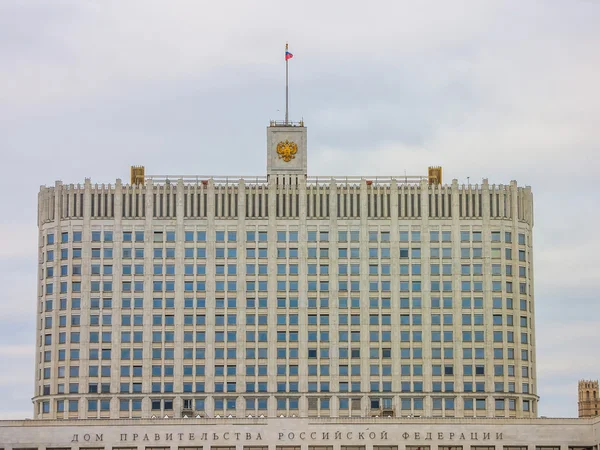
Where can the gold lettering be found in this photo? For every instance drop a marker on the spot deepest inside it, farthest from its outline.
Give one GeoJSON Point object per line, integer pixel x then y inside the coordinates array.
{"type": "Point", "coordinates": [291, 436]}
{"type": "Point", "coordinates": [486, 436]}
{"type": "Point", "coordinates": [169, 436]}
{"type": "Point", "coordinates": [451, 436]}
{"type": "Point", "coordinates": [383, 436]}
{"type": "Point", "coordinates": [180, 436]}
{"type": "Point", "coordinates": [498, 436]}
{"type": "Point", "coordinates": [462, 436]}
{"type": "Point", "coordinates": [146, 438]}
{"type": "Point", "coordinates": [76, 438]}
{"type": "Point", "coordinates": [405, 435]}
{"type": "Point", "coordinates": [156, 437]}
{"type": "Point", "coordinates": [441, 436]}
{"type": "Point", "coordinates": [215, 437]}
{"type": "Point", "coordinates": [123, 437]}
{"type": "Point", "coordinates": [302, 435]}
{"type": "Point", "coordinates": [135, 436]}
{"type": "Point", "coordinates": [349, 435]}
{"type": "Point", "coordinates": [86, 437]}
{"type": "Point", "coordinates": [248, 436]}
{"type": "Point", "coordinates": [204, 437]}
{"type": "Point", "coordinates": [226, 436]}
{"type": "Point", "coordinates": [313, 435]}
{"type": "Point", "coordinates": [258, 437]}
{"type": "Point", "coordinates": [191, 437]}
{"type": "Point", "coordinates": [280, 436]}
{"type": "Point", "coordinates": [361, 436]}
{"type": "Point", "coordinates": [474, 436]}
{"type": "Point", "coordinates": [99, 437]}
{"type": "Point", "coordinates": [428, 437]}
{"type": "Point", "coordinates": [237, 436]}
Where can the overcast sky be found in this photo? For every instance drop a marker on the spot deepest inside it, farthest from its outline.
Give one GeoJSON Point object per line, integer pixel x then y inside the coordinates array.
{"type": "Point", "coordinates": [488, 89]}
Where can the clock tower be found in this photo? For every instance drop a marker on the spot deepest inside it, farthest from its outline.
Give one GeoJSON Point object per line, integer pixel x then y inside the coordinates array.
{"type": "Point", "coordinates": [286, 148]}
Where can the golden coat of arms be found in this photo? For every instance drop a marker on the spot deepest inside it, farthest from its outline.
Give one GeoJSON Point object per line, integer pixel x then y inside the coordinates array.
{"type": "Point", "coordinates": [287, 150]}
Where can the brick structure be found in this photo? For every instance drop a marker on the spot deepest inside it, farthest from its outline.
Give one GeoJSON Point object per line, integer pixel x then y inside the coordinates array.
{"type": "Point", "coordinates": [589, 400]}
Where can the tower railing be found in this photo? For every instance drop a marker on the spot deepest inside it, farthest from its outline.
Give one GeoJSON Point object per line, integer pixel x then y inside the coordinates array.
{"type": "Point", "coordinates": [283, 123]}
{"type": "Point", "coordinates": [319, 180]}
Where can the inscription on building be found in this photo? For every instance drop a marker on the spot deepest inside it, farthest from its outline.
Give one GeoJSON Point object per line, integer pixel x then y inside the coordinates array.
{"type": "Point", "coordinates": [295, 436]}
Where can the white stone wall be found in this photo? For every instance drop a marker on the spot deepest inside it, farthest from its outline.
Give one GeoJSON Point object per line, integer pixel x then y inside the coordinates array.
{"type": "Point", "coordinates": [179, 207]}
{"type": "Point", "coordinates": [304, 434]}
{"type": "Point", "coordinates": [275, 162]}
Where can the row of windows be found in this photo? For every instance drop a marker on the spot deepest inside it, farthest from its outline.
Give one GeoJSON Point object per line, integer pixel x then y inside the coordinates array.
{"type": "Point", "coordinates": [283, 353]}
{"type": "Point", "coordinates": [283, 236]}
{"type": "Point", "coordinates": [283, 269]}
{"type": "Point", "coordinates": [499, 353]}
{"type": "Point", "coordinates": [312, 252]}
{"type": "Point", "coordinates": [288, 303]}
{"type": "Point", "coordinates": [261, 387]}
{"type": "Point", "coordinates": [292, 319]}
{"type": "Point", "coordinates": [292, 386]}
{"type": "Point", "coordinates": [291, 403]}
{"type": "Point", "coordinates": [286, 285]}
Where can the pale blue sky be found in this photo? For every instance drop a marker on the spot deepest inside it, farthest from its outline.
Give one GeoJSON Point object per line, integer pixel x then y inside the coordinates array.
{"type": "Point", "coordinates": [497, 89]}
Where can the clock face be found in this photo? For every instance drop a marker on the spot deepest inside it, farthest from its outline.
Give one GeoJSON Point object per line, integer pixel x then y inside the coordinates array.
{"type": "Point", "coordinates": [287, 150]}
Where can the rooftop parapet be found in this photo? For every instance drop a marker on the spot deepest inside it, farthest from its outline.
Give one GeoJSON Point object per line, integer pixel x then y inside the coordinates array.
{"type": "Point", "coordinates": [249, 180]}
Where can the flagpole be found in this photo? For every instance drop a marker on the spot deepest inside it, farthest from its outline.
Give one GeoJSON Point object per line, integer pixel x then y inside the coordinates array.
{"type": "Point", "coordinates": [286, 86]}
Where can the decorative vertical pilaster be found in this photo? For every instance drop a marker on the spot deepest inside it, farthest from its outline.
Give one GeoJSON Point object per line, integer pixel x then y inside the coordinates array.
{"type": "Point", "coordinates": [179, 295]}
{"type": "Point", "coordinates": [86, 271]}
{"type": "Point", "coordinates": [456, 297]}
{"type": "Point", "coordinates": [395, 293]}
{"type": "Point", "coordinates": [424, 191]}
{"type": "Point", "coordinates": [272, 290]}
{"type": "Point", "coordinates": [514, 203]}
{"type": "Point", "coordinates": [333, 297]}
{"type": "Point", "coordinates": [364, 289]}
{"type": "Point", "coordinates": [147, 300]}
{"type": "Point", "coordinates": [210, 297]}
{"type": "Point", "coordinates": [241, 294]}
{"type": "Point", "coordinates": [302, 298]}
{"type": "Point", "coordinates": [117, 295]}
{"type": "Point", "coordinates": [487, 295]}
{"type": "Point", "coordinates": [55, 227]}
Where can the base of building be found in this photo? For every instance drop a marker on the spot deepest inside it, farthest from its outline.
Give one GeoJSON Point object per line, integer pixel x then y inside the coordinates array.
{"type": "Point", "coordinates": [303, 434]}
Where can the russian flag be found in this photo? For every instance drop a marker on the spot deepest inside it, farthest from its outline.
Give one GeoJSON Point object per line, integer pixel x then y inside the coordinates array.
{"type": "Point", "coordinates": [288, 55]}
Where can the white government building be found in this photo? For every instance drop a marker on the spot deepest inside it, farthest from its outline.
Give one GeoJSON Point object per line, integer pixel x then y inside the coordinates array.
{"type": "Point", "coordinates": [303, 313]}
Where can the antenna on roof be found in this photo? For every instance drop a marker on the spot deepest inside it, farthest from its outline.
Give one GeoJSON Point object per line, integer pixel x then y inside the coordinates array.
{"type": "Point", "coordinates": [288, 56]}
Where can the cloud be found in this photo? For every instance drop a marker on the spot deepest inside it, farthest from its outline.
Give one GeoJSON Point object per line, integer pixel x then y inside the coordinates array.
{"type": "Point", "coordinates": [22, 242]}
{"type": "Point", "coordinates": [17, 351]}
{"type": "Point", "coordinates": [16, 415]}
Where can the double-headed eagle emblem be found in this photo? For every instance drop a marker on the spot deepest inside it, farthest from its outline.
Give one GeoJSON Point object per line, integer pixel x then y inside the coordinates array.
{"type": "Point", "coordinates": [287, 150]}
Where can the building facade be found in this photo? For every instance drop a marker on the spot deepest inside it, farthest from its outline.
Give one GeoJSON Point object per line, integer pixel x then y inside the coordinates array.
{"type": "Point", "coordinates": [302, 434]}
{"type": "Point", "coordinates": [285, 295]}
{"type": "Point", "coordinates": [589, 400]}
